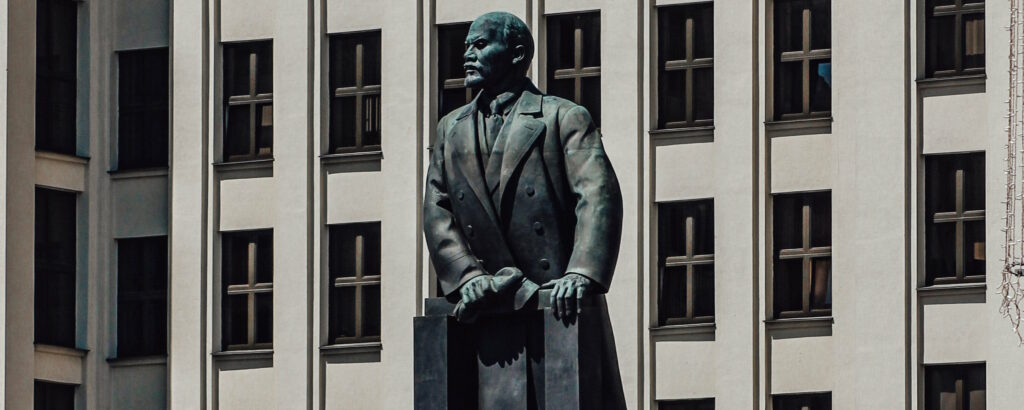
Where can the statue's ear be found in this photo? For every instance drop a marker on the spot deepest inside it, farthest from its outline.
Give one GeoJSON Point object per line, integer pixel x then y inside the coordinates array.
{"type": "Point", "coordinates": [518, 54]}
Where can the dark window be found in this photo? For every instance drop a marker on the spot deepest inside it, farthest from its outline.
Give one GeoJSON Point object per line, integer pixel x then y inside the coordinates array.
{"type": "Point", "coordinates": [142, 297]}
{"type": "Point", "coordinates": [355, 84]}
{"type": "Point", "coordinates": [802, 257]}
{"type": "Point", "coordinates": [452, 92]}
{"type": "Point", "coordinates": [812, 401]}
{"type": "Point", "coordinates": [56, 75]}
{"type": "Point", "coordinates": [955, 215]}
{"type": "Point", "coordinates": [955, 387]}
{"type": "Point", "coordinates": [693, 404]}
{"type": "Point", "coordinates": [53, 396]}
{"type": "Point", "coordinates": [574, 59]}
{"type": "Point", "coordinates": [248, 101]}
{"type": "Point", "coordinates": [686, 262]}
{"type": "Point", "coordinates": [55, 285]}
{"type": "Point", "coordinates": [248, 278]}
{"type": "Point", "coordinates": [803, 59]}
{"type": "Point", "coordinates": [142, 113]}
{"type": "Point", "coordinates": [686, 75]}
{"type": "Point", "coordinates": [354, 263]}
{"type": "Point", "coordinates": [955, 37]}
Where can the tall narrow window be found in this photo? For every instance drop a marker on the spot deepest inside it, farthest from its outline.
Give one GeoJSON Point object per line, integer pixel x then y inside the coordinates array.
{"type": "Point", "coordinates": [574, 59]}
{"type": "Point", "coordinates": [55, 260]}
{"type": "Point", "coordinates": [142, 110]}
{"type": "Point", "coordinates": [56, 75]}
{"type": "Point", "coordinates": [53, 396]}
{"type": "Point", "coordinates": [955, 387]}
{"type": "Point", "coordinates": [803, 59]}
{"type": "Point", "coordinates": [955, 218]}
{"type": "Point", "coordinates": [452, 92]}
{"type": "Point", "coordinates": [955, 38]}
{"type": "Point", "coordinates": [142, 297]}
{"type": "Point", "coordinates": [686, 75]}
{"type": "Point", "coordinates": [811, 401]}
{"type": "Point", "coordinates": [355, 83]}
{"type": "Point", "coordinates": [354, 264]}
{"type": "Point", "coordinates": [248, 101]}
{"type": "Point", "coordinates": [248, 278]}
{"type": "Point", "coordinates": [690, 404]}
{"type": "Point", "coordinates": [686, 261]}
{"type": "Point", "coordinates": [802, 257]}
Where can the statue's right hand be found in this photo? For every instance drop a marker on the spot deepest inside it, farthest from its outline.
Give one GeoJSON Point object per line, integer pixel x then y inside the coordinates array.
{"type": "Point", "coordinates": [476, 290]}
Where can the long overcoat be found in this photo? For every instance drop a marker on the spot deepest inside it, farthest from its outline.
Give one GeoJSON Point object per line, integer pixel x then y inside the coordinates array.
{"type": "Point", "coordinates": [555, 209]}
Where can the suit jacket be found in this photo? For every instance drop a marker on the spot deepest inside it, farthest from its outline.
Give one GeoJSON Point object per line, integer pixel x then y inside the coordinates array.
{"type": "Point", "coordinates": [557, 208]}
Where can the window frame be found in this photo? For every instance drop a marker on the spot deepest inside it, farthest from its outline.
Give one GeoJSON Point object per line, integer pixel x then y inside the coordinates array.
{"type": "Point", "coordinates": [360, 280]}
{"type": "Point", "coordinates": [961, 372]}
{"type": "Point", "coordinates": [254, 100]}
{"type": "Point", "coordinates": [141, 296]}
{"type": "Point", "coordinates": [45, 267]}
{"type": "Point", "coordinates": [50, 74]}
{"type": "Point", "coordinates": [806, 55]}
{"type": "Point", "coordinates": [707, 403]}
{"type": "Point", "coordinates": [807, 253]}
{"type": "Point", "coordinates": [689, 64]}
{"type": "Point", "coordinates": [445, 33]}
{"type": "Point", "coordinates": [805, 396]}
{"type": "Point", "coordinates": [362, 92]}
{"type": "Point", "coordinates": [578, 72]}
{"type": "Point", "coordinates": [687, 211]}
{"type": "Point", "coordinates": [958, 216]}
{"type": "Point", "coordinates": [959, 9]}
{"type": "Point", "coordinates": [249, 289]}
{"type": "Point", "coordinates": [162, 144]}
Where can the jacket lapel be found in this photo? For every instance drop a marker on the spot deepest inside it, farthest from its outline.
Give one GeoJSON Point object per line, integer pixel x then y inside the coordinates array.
{"type": "Point", "coordinates": [522, 133]}
{"type": "Point", "coordinates": [464, 141]}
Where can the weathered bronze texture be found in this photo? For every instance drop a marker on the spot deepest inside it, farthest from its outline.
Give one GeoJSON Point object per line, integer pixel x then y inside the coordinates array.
{"type": "Point", "coordinates": [519, 183]}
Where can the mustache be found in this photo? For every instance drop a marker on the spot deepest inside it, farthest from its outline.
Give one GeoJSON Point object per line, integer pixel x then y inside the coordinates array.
{"type": "Point", "coordinates": [469, 66]}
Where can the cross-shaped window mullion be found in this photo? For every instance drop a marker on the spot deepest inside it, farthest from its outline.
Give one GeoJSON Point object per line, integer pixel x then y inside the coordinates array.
{"type": "Point", "coordinates": [806, 253]}
{"type": "Point", "coordinates": [252, 100]}
{"type": "Point", "coordinates": [688, 64]}
{"type": "Point", "coordinates": [805, 56]}
{"type": "Point", "coordinates": [360, 91]}
{"type": "Point", "coordinates": [958, 10]}
{"type": "Point", "coordinates": [690, 261]}
{"type": "Point", "coordinates": [578, 72]}
{"type": "Point", "coordinates": [358, 282]}
{"type": "Point", "coordinates": [959, 217]}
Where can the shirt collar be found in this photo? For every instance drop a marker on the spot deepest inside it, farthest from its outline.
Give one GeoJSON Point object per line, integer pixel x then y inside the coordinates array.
{"type": "Point", "coordinates": [503, 103]}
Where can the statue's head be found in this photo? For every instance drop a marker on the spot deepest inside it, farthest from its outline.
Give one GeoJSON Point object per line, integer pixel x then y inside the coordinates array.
{"type": "Point", "coordinates": [499, 48]}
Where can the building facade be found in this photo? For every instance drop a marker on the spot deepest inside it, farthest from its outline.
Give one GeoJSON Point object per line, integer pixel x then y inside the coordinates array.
{"type": "Point", "coordinates": [216, 204]}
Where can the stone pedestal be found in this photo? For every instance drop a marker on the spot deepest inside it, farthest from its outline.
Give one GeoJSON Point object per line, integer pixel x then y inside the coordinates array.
{"type": "Point", "coordinates": [449, 363]}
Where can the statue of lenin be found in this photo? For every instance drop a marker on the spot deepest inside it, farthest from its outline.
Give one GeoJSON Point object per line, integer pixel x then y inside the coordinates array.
{"type": "Point", "coordinates": [520, 196]}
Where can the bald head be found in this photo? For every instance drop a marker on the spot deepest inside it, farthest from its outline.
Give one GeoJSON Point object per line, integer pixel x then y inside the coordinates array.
{"type": "Point", "coordinates": [499, 49]}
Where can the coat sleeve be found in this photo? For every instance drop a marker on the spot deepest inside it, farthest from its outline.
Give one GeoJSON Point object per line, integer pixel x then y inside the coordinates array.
{"type": "Point", "coordinates": [598, 198]}
{"type": "Point", "coordinates": [453, 260]}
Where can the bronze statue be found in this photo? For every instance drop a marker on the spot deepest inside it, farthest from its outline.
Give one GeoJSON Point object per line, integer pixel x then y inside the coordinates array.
{"type": "Point", "coordinates": [520, 196]}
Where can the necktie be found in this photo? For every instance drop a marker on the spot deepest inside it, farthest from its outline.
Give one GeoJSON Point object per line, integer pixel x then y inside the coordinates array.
{"type": "Point", "coordinates": [493, 123]}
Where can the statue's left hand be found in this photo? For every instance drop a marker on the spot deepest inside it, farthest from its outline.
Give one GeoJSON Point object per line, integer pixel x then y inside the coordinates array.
{"type": "Point", "coordinates": [567, 294]}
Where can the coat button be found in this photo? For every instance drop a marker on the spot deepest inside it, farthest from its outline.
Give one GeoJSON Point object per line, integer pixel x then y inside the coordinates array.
{"type": "Point", "coordinates": [537, 227]}
{"type": "Point", "coordinates": [544, 264]}
{"type": "Point", "coordinates": [529, 191]}
{"type": "Point", "coordinates": [469, 230]}
{"type": "Point", "coordinates": [461, 195]}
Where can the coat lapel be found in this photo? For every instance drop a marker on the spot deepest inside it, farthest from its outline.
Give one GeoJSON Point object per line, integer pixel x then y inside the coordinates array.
{"type": "Point", "coordinates": [465, 142]}
{"type": "Point", "coordinates": [522, 134]}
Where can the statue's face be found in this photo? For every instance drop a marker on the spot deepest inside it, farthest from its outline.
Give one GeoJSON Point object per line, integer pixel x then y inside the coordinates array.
{"type": "Point", "coordinates": [488, 59]}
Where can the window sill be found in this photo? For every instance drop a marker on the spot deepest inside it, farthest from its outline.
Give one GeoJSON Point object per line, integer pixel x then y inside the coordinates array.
{"type": "Point", "coordinates": [350, 157]}
{"type": "Point", "coordinates": [803, 126]}
{"type": "Point", "coordinates": [351, 349]}
{"type": "Point", "coordinates": [951, 82]}
{"type": "Point", "coordinates": [238, 355]}
{"type": "Point", "coordinates": [956, 289]}
{"type": "Point", "coordinates": [137, 361]}
{"type": "Point", "coordinates": [685, 135]}
{"type": "Point", "coordinates": [242, 165]}
{"type": "Point", "coordinates": [57, 156]}
{"type": "Point", "coordinates": [813, 322]}
{"type": "Point", "coordinates": [683, 330]}
{"type": "Point", "coordinates": [138, 173]}
{"type": "Point", "coordinates": [61, 350]}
